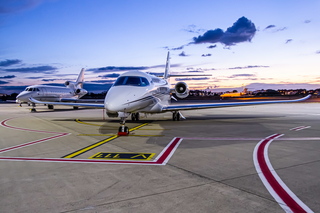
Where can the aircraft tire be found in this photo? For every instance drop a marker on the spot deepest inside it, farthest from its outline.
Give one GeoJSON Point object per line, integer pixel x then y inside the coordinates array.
{"type": "Point", "coordinates": [174, 116]}
{"type": "Point", "coordinates": [133, 116]}
{"type": "Point", "coordinates": [178, 116]}
{"type": "Point", "coordinates": [137, 116]}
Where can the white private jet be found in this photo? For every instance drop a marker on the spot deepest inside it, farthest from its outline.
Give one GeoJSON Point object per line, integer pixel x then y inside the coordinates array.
{"type": "Point", "coordinates": [71, 93]}
{"type": "Point", "coordinates": [137, 92]}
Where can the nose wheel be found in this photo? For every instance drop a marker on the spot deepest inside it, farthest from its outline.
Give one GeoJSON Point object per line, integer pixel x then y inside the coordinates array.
{"type": "Point", "coordinates": [123, 129]}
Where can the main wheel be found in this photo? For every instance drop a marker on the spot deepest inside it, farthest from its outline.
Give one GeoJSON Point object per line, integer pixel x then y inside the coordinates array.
{"type": "Point", "coordinates": [75, 107]}
{"type": "Point", "coordinates": [133, 116]}
{"type": "Point", "coordinates": [174, 116]}
{"type": "Point", "coordinates": [137, 116]}
{"type": "Point", "coordinates": [50, 106]}
{"type": "Point", "coordinates": [178, 116]}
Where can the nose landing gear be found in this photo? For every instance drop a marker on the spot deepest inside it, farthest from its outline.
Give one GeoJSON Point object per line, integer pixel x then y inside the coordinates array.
{"type": "Point", "coordinates": [123, 130]}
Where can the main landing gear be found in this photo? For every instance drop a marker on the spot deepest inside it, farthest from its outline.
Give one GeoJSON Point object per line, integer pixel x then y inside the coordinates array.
{"type": "Point", "coordinates": [50, 106]}
{"type": "Point", "coordinates": [33, 109]}
{"type": "Point", "coordinates": [135, 116]}
{"type": "Point", "coordinates": [176, 115]}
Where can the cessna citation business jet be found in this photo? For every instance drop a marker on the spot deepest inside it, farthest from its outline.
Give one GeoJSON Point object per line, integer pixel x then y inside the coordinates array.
{"type": "Point", "coordinates": [71, 93]}
{"type": "Point", "coordinates": [137, 92]}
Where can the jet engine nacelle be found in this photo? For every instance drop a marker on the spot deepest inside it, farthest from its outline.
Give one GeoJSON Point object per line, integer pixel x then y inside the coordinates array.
{"type": "Point", "coordinates": [181, 90]}
{"type": "Point", "coordinates": [80, 91]}
{"type": "Point", "coordinates": [70, 84]}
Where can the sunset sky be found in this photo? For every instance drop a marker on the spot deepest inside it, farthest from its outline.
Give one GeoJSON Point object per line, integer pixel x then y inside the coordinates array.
{"type": "Point", "coordinates": [263, 44]}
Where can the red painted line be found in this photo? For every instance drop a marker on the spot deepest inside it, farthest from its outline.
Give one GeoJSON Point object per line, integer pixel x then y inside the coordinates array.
{"type": "Point", "coordinates": [31, 143]}
{"type": "Point", "coordinates": [300, 128]}
{"type": "Point", "coordinates": [168, 151]}
{"type": "Point", "coordinates": [223, 139]}
{"type": "Point", "coordinates": [3, 123]}
{"type": "Point", "coordinates": [289, 201]}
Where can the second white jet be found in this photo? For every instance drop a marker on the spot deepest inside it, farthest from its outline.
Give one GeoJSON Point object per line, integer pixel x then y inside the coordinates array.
{"type": "Point", "coordinates": [70, 93]}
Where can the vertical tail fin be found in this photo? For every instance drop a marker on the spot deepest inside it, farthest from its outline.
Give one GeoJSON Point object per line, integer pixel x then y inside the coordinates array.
{"type": "Point", "coordinates": [167, 70]}
{"type": "Point", "coordinates": [80, 78]}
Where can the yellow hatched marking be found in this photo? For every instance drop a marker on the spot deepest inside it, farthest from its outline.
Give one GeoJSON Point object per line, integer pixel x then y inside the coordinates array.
{"type": "Point", "coordinates": [123, 156]}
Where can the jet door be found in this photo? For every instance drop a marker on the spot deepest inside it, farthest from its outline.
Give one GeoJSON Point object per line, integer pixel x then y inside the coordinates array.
{"type": "Point", "coordinates": [43, 92]}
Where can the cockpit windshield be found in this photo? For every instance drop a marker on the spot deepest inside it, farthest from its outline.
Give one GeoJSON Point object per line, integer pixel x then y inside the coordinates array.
{"type": "Point", "coordinates": [132, 81]}
{"type": "Point", "coordinates": [31, 89]}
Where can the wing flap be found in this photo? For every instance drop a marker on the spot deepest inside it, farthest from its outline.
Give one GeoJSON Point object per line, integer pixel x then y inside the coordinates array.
{"type": "Point", "coordinates": [88, 105]}
{"type": "Point", "coordinates": [228, 104]}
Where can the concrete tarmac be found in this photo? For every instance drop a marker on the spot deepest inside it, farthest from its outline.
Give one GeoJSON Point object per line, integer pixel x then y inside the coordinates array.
{"type": "Point", "coordinates": [212, 169]}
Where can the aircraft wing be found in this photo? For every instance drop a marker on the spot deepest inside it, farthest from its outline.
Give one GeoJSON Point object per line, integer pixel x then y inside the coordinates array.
{"type": "Point", "coordinates": [226, 104]}
{"type": "Point", "coordinates": [88, 105]}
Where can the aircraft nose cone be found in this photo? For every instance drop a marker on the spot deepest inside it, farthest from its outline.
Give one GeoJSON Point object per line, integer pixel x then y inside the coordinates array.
{"type": "Point", "coordinates": [115, 100]}
{"type": "Point", "coordinates": [22, 97]}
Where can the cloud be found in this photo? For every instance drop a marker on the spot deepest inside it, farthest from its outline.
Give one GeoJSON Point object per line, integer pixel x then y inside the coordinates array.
{"type": "Point", "coordinates": [113, 75]}
{"type": "Point", "coordinates": [183, 54]}
{"type": "Point", "coordinates": [318, 52]}
{"type": "Point", "coordinates": [270, 26]}
{"type": "Point", "coordinates": [103, 81]}
{"type": "Point", "coordinates": [8, 62]}
{"type": "Point", "coordinates": [307, 21]}
{"type": "Point", "coordinates": [247, 67]}
{"type": "Point", "coordinates": [11, 89]}
{"type": "Point", "coordinates": [7, 7]}
{"type": "Point", "coordinates": [212, 46]}
{"type": "Point", "coordinates": [288, 41]}
{"type": "Point", "coordinates": [206, 55]}
{"type": "Point", "coordinates": [124, 69]}
{"type": "Point", "coordinates": [8, 77]}
{"type": "Point", "coordinates": [34, 77]}
{"type": "Point", "coordinates": [178, 48]}
{"type": "Point", "coordinates": [241, 31]}
{"type": "Point", "coordinates": [193, 29]}
{"type": "Point", "coordinates": [241, 75]}
{"type": "Point", "coordinates": [280, 29]}
{"type": "Point", "coordinates": [191, 79]}
{"type": "Point", "coordinates": [40, 69]}
{"type": "Point", "coordinates": [3, 82]}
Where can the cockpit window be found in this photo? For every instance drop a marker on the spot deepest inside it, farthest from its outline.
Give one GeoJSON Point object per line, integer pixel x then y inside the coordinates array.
{"type": "Point", "coordinates": [30, 89]}
{"type": "Point", "coordinates": [132, 81]}
{"type": "Point", "coordinates": [26, 89]}
{"type": "Point", "coordinates": [38, 89]}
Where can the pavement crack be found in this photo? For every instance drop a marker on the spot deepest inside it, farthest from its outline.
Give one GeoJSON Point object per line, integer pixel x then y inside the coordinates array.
{"type": "Point", "coordinates": [134, 198]}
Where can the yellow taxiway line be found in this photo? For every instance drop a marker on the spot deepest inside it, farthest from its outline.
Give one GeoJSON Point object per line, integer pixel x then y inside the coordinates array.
{"type": "Point", "coordinates": [92, 146]}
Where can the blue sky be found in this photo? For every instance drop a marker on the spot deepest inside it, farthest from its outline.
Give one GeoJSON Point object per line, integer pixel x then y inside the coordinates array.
{"type": "Point", "coordinates": [263, 44]}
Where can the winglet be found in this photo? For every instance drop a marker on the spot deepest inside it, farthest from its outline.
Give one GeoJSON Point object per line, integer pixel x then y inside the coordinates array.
{"type": "Point", "coordinates": [80, 78]}
{"type": "Point", "coordinates": [167, 70]}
